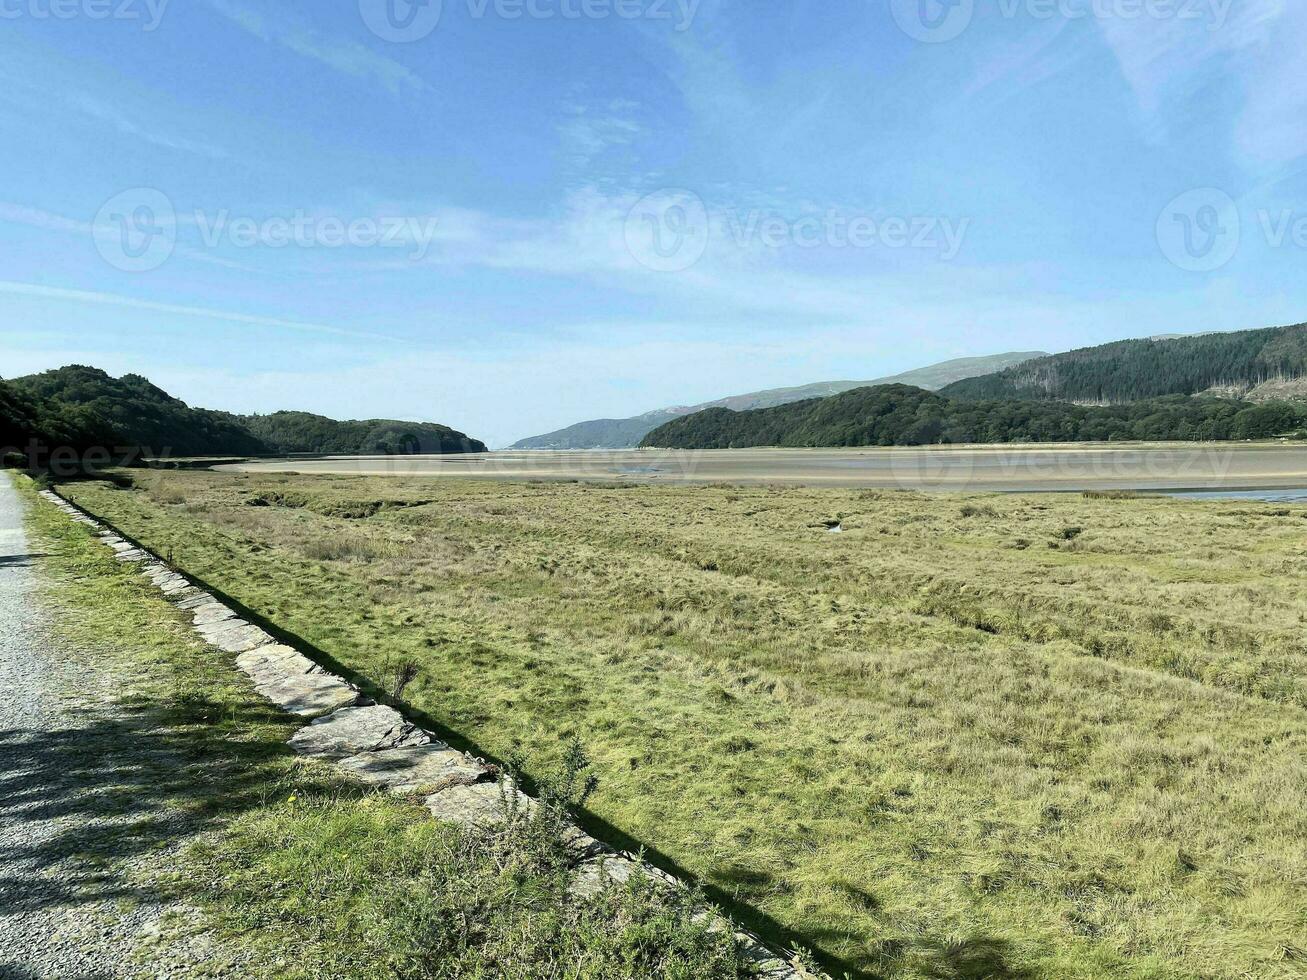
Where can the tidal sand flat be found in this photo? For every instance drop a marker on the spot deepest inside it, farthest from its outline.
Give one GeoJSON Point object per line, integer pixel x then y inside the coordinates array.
{"type": "Point", "coordinates": [982, 468]}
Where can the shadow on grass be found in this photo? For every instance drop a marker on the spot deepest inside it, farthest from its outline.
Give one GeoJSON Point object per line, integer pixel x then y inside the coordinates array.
{"type": "Point", "coordinates": [112, 785]}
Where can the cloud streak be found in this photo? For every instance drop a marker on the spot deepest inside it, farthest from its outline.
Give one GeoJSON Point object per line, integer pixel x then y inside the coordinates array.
{"type": "Point", "coordinates": [273, 25]}
{"type": "Point", "coordinates": [1170, 63]}
{"type": "Point", "coordinates": [96, 298]}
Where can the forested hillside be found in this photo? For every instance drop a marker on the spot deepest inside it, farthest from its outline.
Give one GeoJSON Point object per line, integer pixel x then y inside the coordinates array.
{"type": "Point", "coordinates": [135, 412]}
{"type": "Point", "coordinates": [899, 415]}
{"type": "Point", "coordinates": [1130, 370]}
{"type": "Point", "coordinates": [77, 408]}
{"type": "Point", "coordinates": [301, 432]}
{"type": "Point", "coordinates": [26, 420]}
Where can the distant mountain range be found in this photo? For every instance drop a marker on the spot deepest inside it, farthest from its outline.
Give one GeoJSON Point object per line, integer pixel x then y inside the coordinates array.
{"type": "Point", "coordinates": [81, 407]}
{"type": "Point", "coordinates": [627, 433]}
{"type": "Point", "coordinates": [1245, 385]}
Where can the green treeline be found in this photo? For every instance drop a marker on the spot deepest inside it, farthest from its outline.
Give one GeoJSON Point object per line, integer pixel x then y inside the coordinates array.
{"type": "Point", "coordinates": [1132, 370]}
{"type": "Point", "coordinates": [301, 432]}
{"type": "Point", "coordinates": [77, 409]}
{"type": "Point", "coordinates": [900, 415]}
{"type": "Point", "coordinates": [80, 407]}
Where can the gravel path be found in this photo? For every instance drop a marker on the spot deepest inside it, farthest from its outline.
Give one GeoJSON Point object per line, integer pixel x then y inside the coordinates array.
{"type": "Point", "coordinates": [81, 810]}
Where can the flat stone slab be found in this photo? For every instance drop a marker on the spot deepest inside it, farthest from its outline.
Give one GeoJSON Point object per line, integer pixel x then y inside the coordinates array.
{"type": "Point", "coordinates": [310, 694]}
{"type": "Point", "coordinates": [221, 626]}
{"type": "Point", "coordinates": [274, 659]}
{"type": "Point", "coordinates": [483, 806]}
{"type": "Point", "coordinates": [182, 595]}
{"type": "Point", "coordinates": [349, 731]}
{"type": "Point", "coordinates": [295, 683]}
{"type": "Point", "coordinates": [416, 768]}
{"type": "Point", "coordinates": [764, 964]}
{"type": "Point", "coordinates": [212, 612]}
{"type": "Point", "coordinates": [194, 601]}
{"type": "Point", "coordinates": [580, 846]}
{"type": "Point", "coordinates": [591, 877]}
{"type": "Point", "coordinates": [238, 638]}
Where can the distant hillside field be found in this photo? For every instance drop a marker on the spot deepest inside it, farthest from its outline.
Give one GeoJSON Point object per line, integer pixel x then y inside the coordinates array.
{"type": "Point", "coordinates": [1131, 370]}
{"type": "Point", "coordinates": [899, 415]}
{"type": "Point", "coordinates": [79, 407]}
{"type": "Point", "coordinates": [628, 433]}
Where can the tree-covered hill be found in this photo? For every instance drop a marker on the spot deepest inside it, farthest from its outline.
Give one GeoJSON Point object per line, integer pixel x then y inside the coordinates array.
{"type": "Point", "coordinates": [900, 415]}
{"type": "Point", "coordinates": [1130, 370]}
{"type": "Point", "coordinates": [27, 421]}
{"type": "Point", "coordinates": [302, 432]}
{"type": "Point", "coordinates": [78, 408]}
{"type": "Point", "coordinates": [137, 413]}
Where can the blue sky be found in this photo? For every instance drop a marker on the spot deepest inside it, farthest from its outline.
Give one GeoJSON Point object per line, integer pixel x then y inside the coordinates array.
{"type": "Point", "coordinates": [517, 215]}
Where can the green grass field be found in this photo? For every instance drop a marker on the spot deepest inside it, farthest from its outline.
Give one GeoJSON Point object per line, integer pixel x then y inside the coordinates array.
{"type": "Point", "coordinates": [292, 871]}
{"type": "Point", "coordinates": [1000, 736]}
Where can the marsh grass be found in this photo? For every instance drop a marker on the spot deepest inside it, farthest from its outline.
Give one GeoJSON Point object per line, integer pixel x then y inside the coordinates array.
{"type": "Point", "coordinates": [300, 874]}
{"type": "Point", "coordinates": [930, 746]}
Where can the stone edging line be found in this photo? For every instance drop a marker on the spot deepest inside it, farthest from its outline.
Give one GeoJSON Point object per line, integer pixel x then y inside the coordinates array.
{"type": "Point", "coordinates": [377, 744]}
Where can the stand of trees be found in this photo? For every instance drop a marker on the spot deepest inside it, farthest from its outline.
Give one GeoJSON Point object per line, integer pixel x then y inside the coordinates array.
{"type": "Point", "coordinates": [301, 432]}
{"type": "Point", "coordinates": [899, 415]}
{"type": "Point", "coordinates": [76, 410]}
{"type": "Point", "coordinates": [1131, 370]}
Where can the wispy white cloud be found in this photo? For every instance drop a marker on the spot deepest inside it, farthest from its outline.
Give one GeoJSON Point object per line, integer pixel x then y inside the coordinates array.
{"type": "Point", "coordinates": [26, 83]}
{"type": "Point", "coordinates": [95, 109]}
{"type": "Point", "coordinates": [275, 25]}
{"type": "Point", "coordinates": [1170, 64]}
{"type": "Point", "coordinates": [588, 131]}
{"type": "Point", "coordinates": [96, 298]}
{"type": "Point", "coordinates": [20, 214]}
